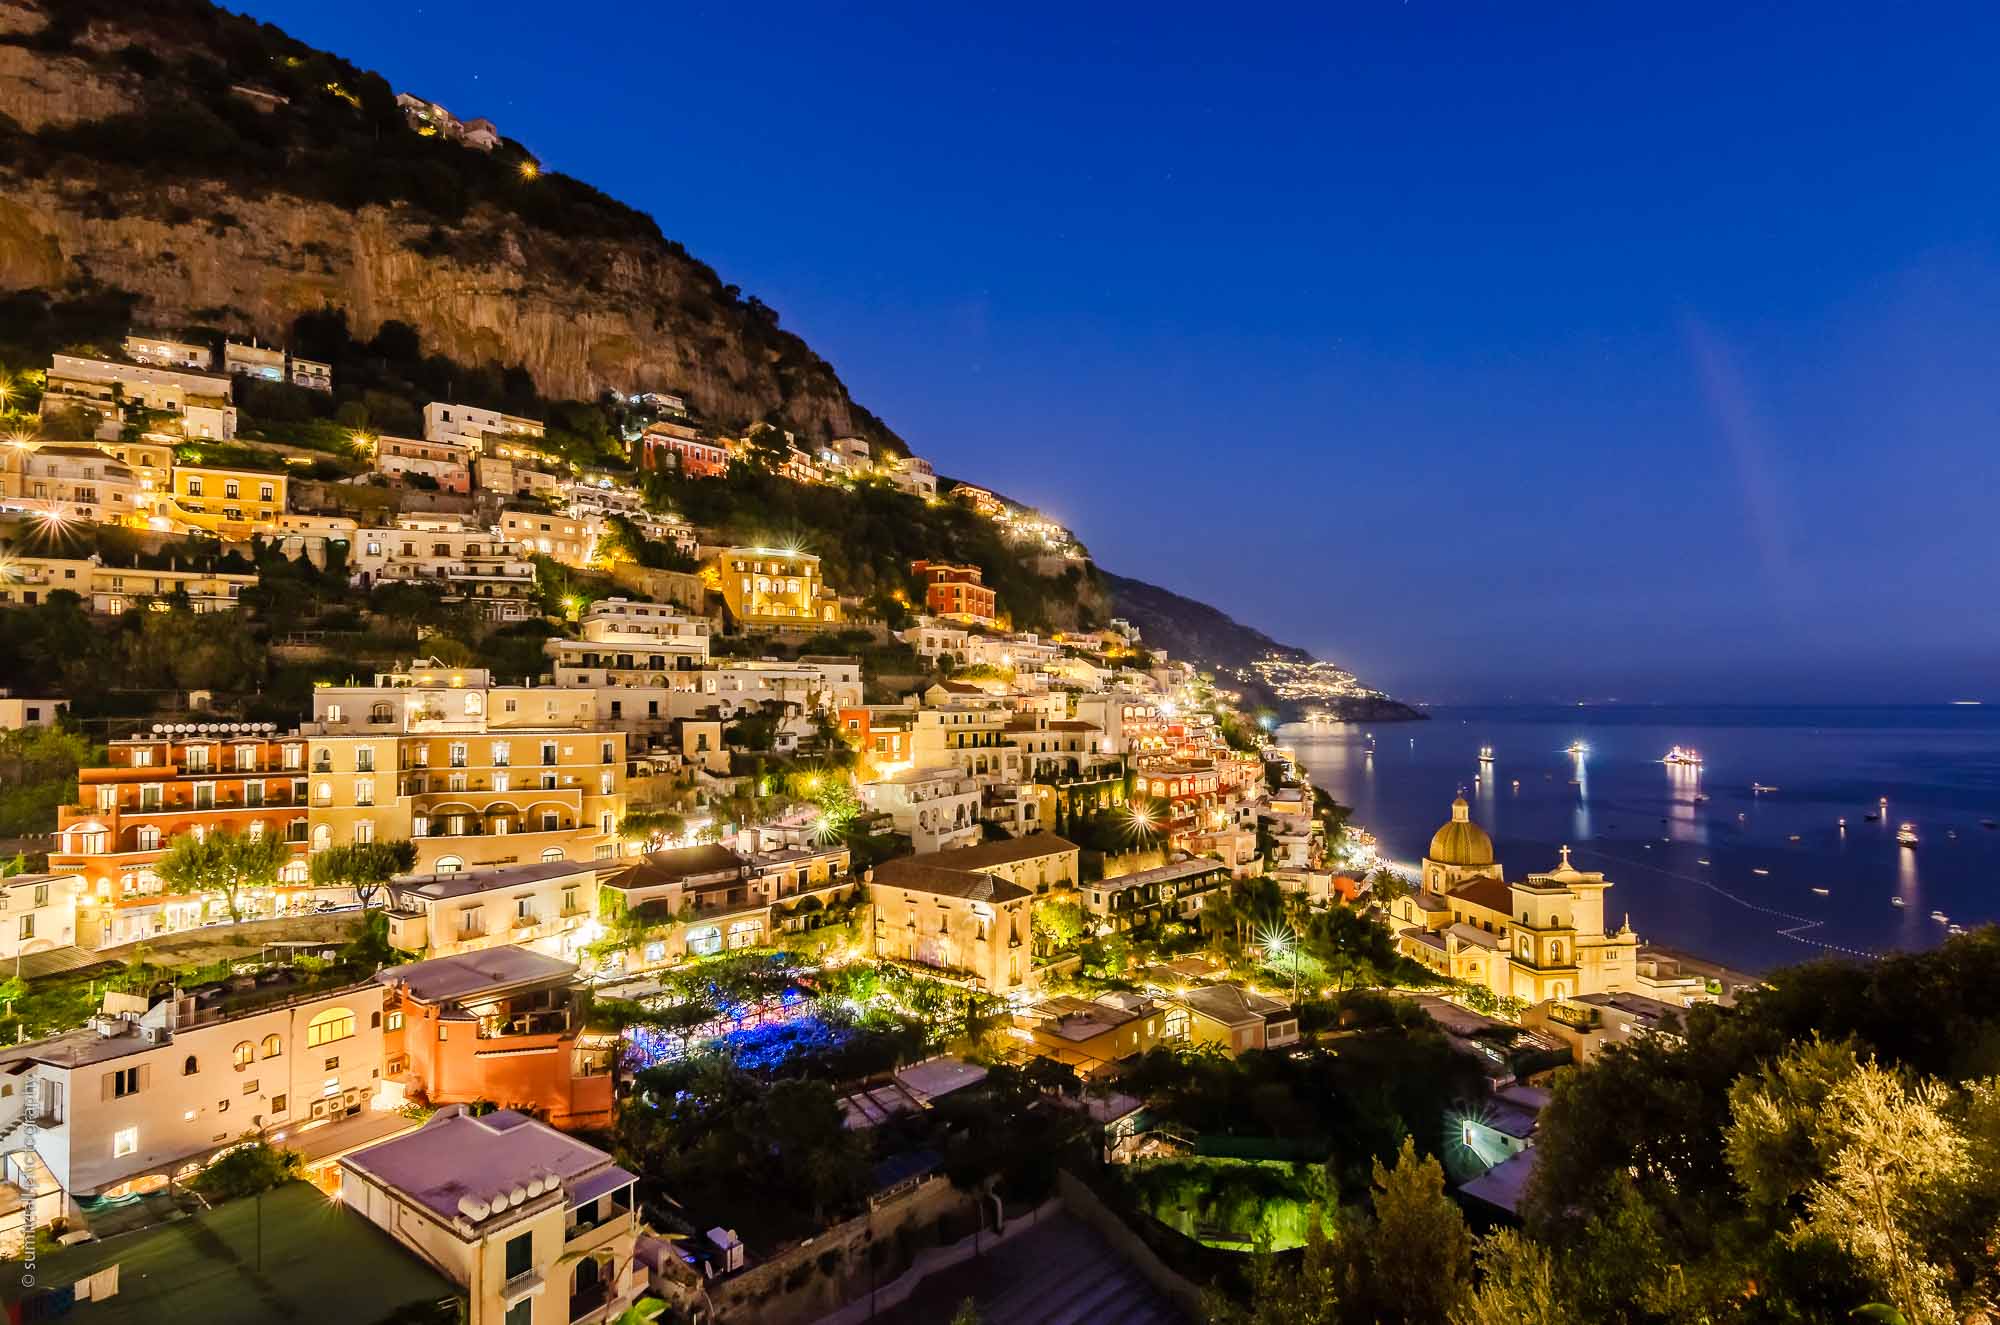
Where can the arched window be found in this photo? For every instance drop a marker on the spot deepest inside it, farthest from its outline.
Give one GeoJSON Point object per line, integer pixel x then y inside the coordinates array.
{"type": "Point", "coordinates": [243, 1053]}
{"type": "Point", "coordinates": [330, 1025]}
{"type": "Point", "coordinates": [322, 837]}
{"type": "Point", "coordinates": [149, 838]}
{"type": "Point", "coordinates": [273, 1046]}
{"type": "Point", "coordinates": [190, 1067]}
{"type": "Point", "coordinates": [381, 713]}
{"type": "Point", "coordinates": [1555, 954]}
{"type": "Point", "coordinates": [704, 942]}
{"type": "Point", "coordinates": [553, 853]}
{"type": "Point", "coordinates": [449, 865]}
{"type": "Point", "coordinates": [472, 702]}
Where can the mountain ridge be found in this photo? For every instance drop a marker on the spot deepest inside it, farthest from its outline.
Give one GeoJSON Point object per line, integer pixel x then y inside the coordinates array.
{"type": "Point", "coordinates": [298, 186]}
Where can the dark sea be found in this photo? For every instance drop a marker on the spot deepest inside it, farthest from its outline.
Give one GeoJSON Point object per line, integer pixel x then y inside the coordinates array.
{"type": "Point", "coordinates": [1686, 870]}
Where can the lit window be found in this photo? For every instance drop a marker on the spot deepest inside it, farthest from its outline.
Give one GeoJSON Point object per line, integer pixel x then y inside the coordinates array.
{"type": "Point", "coordinates": [124, 1141]}
{"type": "Point", "coordinates": [330, 1025]}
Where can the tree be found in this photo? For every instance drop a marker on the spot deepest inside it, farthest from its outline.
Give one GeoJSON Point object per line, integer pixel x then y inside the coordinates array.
{"type": "Point", "coordinates": [363, 866]}
{"type": "Point", "coordinates": [1059, 924]}
{"type": "Point", "coordinates": [1412, 1211]}
{"type": "Point", "coordinates": [225, 861]}
{"type": "Point", "coordinates": [656, 826]}
{"type": "Point", "coordinates": [1879, 1161]}
{"type": "Point", "coordinates": [253, 1167]}
{"type": "Point", "coordinates": [1518, 1285]}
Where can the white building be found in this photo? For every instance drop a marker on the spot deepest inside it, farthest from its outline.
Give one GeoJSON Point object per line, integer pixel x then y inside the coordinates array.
{"type": "Point", "coordinates": [565, 538]}
{"type": "Point", "coordinates": [201, 402]}
{"type": "Point", "coordinates": [148, 1093]}
{"type": "Point", "coordinates": [938, 808]}
{"type": "Point", "coordinates": [935, 640]}
{"type": "Point", "coordinates": [37, 912]}
{"type": "Point", "coordinates": [63, 481]}
{"type": "Point", "coordinates": [630, 644]}
{"type": "Point", "coordinates": [536, 1227]}
{"type": "Point", "coordinates": [19, 711]}
{"type": "Point", "coordinates": [913, 474]}
{"type": "Point", "coordinates": [259, 361]}
{"type": "Point", "coordinates": [812, 683]}
{"type": "Point", "coordinates": [312, 374]}
{"type": "Point", "coordinates": [466, 564]}
{"type": "Point", "coordinates": [469, 425]}
{"type": "Point", "coordinates": [160, 352]}
{"type": "Point", "coordinates": [546, 906]}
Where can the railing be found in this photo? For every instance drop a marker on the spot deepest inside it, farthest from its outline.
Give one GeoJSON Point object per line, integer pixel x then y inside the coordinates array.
{"type": "Point", "coordinates": [548, 1021]}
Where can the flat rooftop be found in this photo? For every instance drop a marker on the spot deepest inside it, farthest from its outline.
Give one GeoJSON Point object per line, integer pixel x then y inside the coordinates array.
{"type": "Point", "coordinates": [470, 974]}
{"type": "Point", "coordinates": [317, 1261]}
{"type": "Point", "coordinates": [455, 1155]}
{"type": "Point", "coordinates": [463, 883]}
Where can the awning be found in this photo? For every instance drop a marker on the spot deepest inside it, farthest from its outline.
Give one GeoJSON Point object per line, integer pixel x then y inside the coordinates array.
{"type": "Point", "coordinates": [598, 1184]}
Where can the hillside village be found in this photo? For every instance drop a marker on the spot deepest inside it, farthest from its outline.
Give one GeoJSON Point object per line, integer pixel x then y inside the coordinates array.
{"type": "Point", "coordinates": [707, 808]}
{"type": "Point", "coordinates": [636, 859]}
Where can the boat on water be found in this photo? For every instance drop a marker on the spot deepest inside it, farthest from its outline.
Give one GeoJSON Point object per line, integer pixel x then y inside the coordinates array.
{"type": "Point", "coordinates": [1907, 835]}
{"type": "Point", "coordinates": [1701, 862]}
{"type": "Point", "coordinates": [1577, 748]}
{"type": "Point", "coordinates": [1485, 754]}
{"type": "Point", "coordinates": [1821, 891]}
{"type": "Point", "coordinates": [1940, 917]}
{"type": "Point", "coordinates": [1989, 823]}
{"type": "Point", "coordinates": [1678, 755]}
{"type": "Point", "coordinates": [1793, 838]}
{"type": "Point", "coordinates": [1872, 818]}
{"type": "Point", "coordinates": [1897, 901]}
{"type": "Point", "coordinates": [1954, 929]}
{"type": "Point", "coordinates": [1760, 871]}
{"type": "Point", "coordinates": [1758, 788]}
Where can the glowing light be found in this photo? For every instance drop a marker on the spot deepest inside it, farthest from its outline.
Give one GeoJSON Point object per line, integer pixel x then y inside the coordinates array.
{"type": "Point", "coordinates": [530, 170]}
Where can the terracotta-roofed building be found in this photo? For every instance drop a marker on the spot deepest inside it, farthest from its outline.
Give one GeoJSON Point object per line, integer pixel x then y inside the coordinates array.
{"type": "Point", "coordinates": [959, 921]}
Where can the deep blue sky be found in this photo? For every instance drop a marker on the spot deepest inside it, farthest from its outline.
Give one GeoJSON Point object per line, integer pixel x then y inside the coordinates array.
{"type": "Point", "coordinates": [1491, 351]}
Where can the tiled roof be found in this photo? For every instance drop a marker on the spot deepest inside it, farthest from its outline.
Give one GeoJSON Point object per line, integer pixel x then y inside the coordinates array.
{"type": "Point", "coordinates": [910, 873]}
{"type": "Point", "coordinates": [659, 868]}
{"type": "Point", "coordinates": [1493, 894]}
{"type": "Point", "coordinates": [1007, 851]}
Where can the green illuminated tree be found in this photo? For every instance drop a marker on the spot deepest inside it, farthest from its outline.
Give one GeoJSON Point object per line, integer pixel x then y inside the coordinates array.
{"type": "Point", "coordinates": [222, 861]}
{"type": "Point", "coordinates": [363, 866]}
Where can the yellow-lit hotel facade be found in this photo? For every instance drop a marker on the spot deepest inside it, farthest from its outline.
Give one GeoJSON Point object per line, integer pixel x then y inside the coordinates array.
{"type": "Point", "coordinates": [773, 588]}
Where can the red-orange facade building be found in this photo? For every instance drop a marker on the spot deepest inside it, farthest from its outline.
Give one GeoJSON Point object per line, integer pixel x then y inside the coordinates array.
{"type": "Point", "coordinates": [500, 1024]}
{"type": "Point", "coordinates": [956, 592]}
{"type": "Point", "coordinates": [183, 778]}
{"type": "Point", "coordinates": [671, 446]}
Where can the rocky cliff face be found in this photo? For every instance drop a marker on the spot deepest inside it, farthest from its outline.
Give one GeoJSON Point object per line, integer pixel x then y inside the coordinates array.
{"type": "Point", "coordinates": [580, 314]}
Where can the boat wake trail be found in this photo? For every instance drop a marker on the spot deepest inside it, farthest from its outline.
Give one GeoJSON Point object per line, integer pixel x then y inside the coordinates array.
{"type": "Point", "coordinates": [1796, 931]}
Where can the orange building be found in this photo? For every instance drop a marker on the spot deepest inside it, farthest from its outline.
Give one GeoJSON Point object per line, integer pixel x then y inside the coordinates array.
{"type": "Point", "coordinates": [501, 1024]}
{"type": "Point", "coordinates": [955, 592]}
{"type": "Point", "coordinates": [183, 778]}
{"type": "Point", "coordinates": [676, 446]}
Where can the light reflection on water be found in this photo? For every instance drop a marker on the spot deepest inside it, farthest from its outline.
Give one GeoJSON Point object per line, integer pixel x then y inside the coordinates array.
{"type": "Point", "coordinates": [1639, 821]}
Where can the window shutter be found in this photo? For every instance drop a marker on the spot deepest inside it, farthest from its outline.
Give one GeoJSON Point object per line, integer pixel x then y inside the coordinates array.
{"type": "Point", "coordinates": [145, 1075]}
{"type": "Point", "coordinates": [106, 1081]}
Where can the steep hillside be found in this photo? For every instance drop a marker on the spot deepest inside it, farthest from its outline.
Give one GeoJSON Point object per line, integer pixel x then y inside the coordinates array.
{"type": "Point", "coordinates": [174, 166]}
{"type": "Point", "coordinates": [145, 152]}
{"type": "Point", "coordinates": [1244, 658]}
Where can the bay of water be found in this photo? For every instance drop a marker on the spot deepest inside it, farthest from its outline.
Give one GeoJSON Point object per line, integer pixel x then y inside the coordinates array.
{"type": "Point", "coordinates": [1684, 870]}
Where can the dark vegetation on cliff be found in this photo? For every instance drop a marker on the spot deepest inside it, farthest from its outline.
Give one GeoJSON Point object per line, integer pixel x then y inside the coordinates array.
{"type": "Point", "coordinates": [339, 138]}
{"type": "Point", "coordinates": [177, 72]}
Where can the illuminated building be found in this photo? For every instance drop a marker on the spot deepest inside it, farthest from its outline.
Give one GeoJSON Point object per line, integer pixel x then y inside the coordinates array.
{"type": "Point", "coordinates": [764, 588]}
{"type": "Point", "coordinates": [955, 593]}
{"type": "Point", "coordinates": [1538, 940]}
